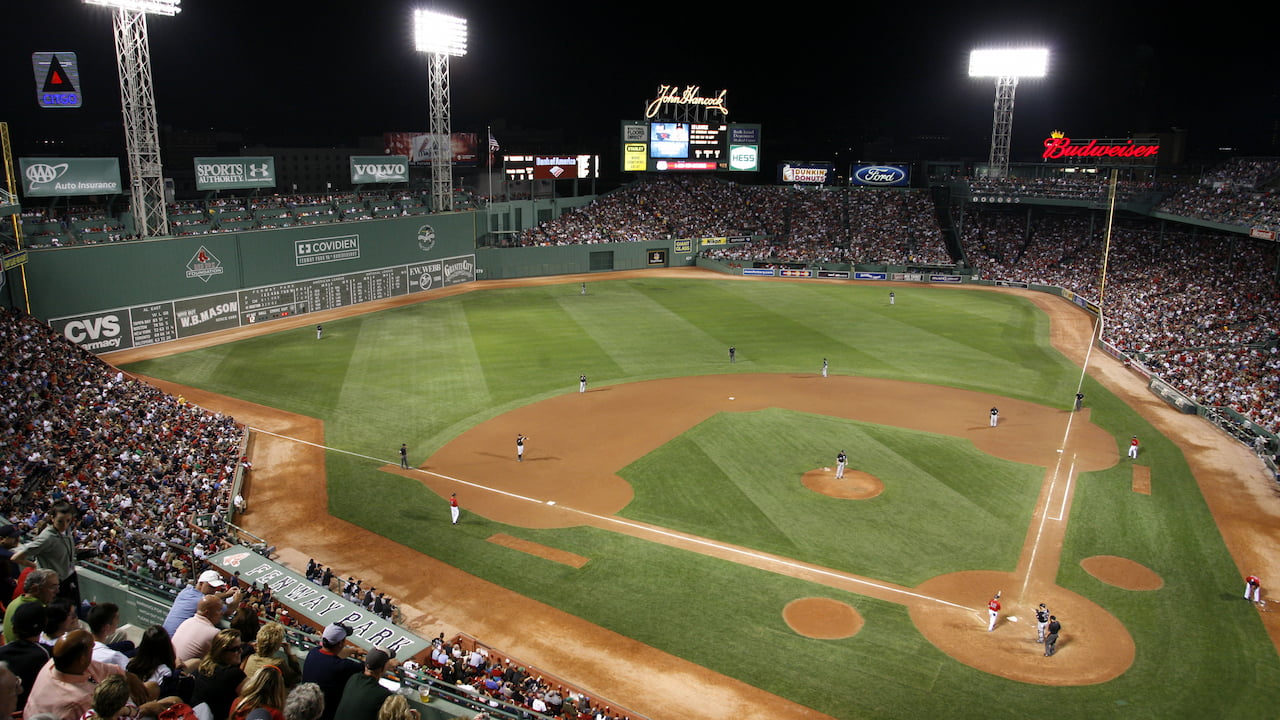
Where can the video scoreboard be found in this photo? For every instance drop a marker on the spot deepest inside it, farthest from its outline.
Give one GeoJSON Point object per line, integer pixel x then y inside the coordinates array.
{"type": "Point", "coordinates": [666, 146]}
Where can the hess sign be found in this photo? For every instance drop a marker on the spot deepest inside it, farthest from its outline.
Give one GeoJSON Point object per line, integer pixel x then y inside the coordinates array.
{"type": "Point", "coordinates": [57, 79]}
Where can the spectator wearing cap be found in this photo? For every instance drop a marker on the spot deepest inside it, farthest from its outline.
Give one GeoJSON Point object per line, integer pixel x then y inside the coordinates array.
{"type": "Point", "coordinates": [54, 548]}
{"type": "Point", "coordinates": [329, 665]}
{"type": "Point", "coordinates": [210, 582]}
{"type": "Point", "coordinates": [41, 587]}
{"type": "Point", "coordinates": [25, 655]}
{"type": "Point", "coordinates": [363, 695]}
{"type": "Point", "coordinates": [64, 687]}
{"type": "Point", "coordinates": [196, 632]}
{"type": "Point", "coordinates": [9, 536]}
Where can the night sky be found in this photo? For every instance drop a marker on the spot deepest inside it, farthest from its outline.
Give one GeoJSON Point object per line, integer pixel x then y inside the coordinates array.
{"type": "Point", "coordinates": [560, 75]}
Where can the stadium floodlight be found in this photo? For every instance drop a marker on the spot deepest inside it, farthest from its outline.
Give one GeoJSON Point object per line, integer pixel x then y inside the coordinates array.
{"type": "Point", "coordinates": [138, 103]}
{"type": "Point", "coordinates": [150, 7]}
{"type": "Point", "coordinates": [1006, 66]}
{"type": "Point", "coordinates": [440, 36]}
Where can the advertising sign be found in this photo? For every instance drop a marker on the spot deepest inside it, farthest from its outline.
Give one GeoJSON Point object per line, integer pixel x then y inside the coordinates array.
{"type": "Point", "coordinates": [57, 79]}
{"type": "Point", "coordinates": [55, 177]}
{"type": "Point", "coordinates": [367, 169]}
{"type": "Point", "coordinates": [807, 173]}
{"type": "Point", "coordinates": [1060, 147]}
{"type": "Point", "coordinates": [234, 173]}
{"type": "Point", "coordinates": [880, 175]}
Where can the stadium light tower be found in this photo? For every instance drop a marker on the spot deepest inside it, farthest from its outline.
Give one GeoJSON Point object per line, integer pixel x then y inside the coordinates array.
{"type": "Point", "coordinates": [1006, 66]}
{"type": "Point", "coordinates": [138, 101]}
{"type": "Point", "coordinates": [441, 37]}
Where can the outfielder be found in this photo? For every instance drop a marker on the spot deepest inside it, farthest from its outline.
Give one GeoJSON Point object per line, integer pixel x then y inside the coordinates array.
{"type": "Point", "coordinates": [1253, 589]}
{"type": "Point", "coordinates": [453, 508]}
{"type": "Point", "coordinates": [1133, 447]}
{"type": "Point", "coordinates": [1042, 621]}
{"type": "Point", "coordinates": [841, 461]}
{"type": "Point", "coordinates": [824, 367]}
{"type": "Point", "coordinates": [993, 609]}
{"type": "Point", "coordinates": [995, 416]}
{"type": "Point", "coordinates": [319, 331]}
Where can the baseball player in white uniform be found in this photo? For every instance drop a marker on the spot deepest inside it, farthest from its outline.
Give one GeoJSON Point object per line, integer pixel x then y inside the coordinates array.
{"type": "Point", "coordinates": [520, 447]}
{"type": "Point", "coordinates": [582, 383]}
{"type": "Point", "coordinates": [993, 610]}
{"type": "Point", "coordinates": [1133, 447]}
{"type": "Point", "coordinates": [824, 367]}
{"type": "Point", "coordinates": [841, 461]}
{"type": "Point", "coordinates": [1042, 621]}
{"type": "Point", "coordinates": [1253, 589]}
{"type": "Point", "coordinates": [995, 416]}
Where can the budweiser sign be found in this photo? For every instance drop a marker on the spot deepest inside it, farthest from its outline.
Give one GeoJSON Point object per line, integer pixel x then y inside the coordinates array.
{"type": "Point", "coordinates": [1058, 146]}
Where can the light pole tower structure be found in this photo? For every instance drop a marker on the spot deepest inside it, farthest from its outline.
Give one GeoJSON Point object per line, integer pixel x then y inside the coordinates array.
{"type": "Point", "coordinates": [138, 102]}
{"type": "Point", "coordinates": [441, 37]}
{"type": "Point", "coordinates": [1006, 66]}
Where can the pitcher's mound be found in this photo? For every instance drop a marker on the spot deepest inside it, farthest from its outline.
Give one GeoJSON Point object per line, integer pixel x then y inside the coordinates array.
{"type": "Point", "coordinates": [855, 485]}
{"type": "Point", "coordinates": [822, 618]}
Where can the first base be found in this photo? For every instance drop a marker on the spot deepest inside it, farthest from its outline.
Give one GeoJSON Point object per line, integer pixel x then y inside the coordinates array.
{"type": "Point", "coordinates": [733, 398]}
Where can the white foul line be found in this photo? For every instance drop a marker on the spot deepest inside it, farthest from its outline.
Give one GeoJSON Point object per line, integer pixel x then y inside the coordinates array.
{"type": "Point", "coordinates": [643, 528]}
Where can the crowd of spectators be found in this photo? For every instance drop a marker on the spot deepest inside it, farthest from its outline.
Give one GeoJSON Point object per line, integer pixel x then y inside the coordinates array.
{"type": "Point", "coordinates": [89, 226]}
{"type": "Point", "coordinates": [1078, 187]}
{"type": "Point", "coordinates": [1196, 306]}
{"type": "Point", "coordinates": [788, 224]}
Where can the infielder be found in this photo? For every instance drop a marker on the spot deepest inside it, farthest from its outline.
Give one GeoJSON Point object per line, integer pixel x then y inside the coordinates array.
{"type": "Point", "coordinates": [520, 447]}
{"type": "Point", "coordinates": [1042, 621]}
{"type": "Point", "coordinates": [993, 609]}
{"type": "Point", "coordinates": [1253, 589]}
{"type": "Point", "coordinates": [582, 383]}
{"type": "Point", "coordinates": [404, 456]}
{"type": "Point", "coordinates": [453, 507]}
{"type": "Point", "coordinates": [733, 353]}
{"type": "Point", "coordinates": [841, 461]}
{"type": "Point", "coordinates": [995, 416]}
{"type": "Point", "coordinates": [1133, 447]}
{"type": "Point", "coordinates": [824, 367]}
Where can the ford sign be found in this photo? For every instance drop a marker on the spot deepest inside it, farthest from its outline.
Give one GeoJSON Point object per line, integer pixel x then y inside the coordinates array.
{"type": "Point", "coordinates": [883, 175]}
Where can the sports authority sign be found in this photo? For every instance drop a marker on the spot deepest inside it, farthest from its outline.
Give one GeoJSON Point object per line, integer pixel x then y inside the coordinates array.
{"type": "Point", "coordinates": [317, 604]}
{"type": "Point", "coordinates": [1060, 147]}
{"type": "Point", "coordinates": [232, 173]}
{"type": "Point", "coordinates": [379, 169]}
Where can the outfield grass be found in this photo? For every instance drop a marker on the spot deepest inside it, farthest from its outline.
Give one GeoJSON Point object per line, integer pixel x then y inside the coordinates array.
{"type": "Point", "coordinates": [424, 373]}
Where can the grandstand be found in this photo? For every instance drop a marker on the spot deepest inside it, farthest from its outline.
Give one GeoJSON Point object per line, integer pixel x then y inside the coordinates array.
{"type": "Point", "coordinates": [1191, 299]}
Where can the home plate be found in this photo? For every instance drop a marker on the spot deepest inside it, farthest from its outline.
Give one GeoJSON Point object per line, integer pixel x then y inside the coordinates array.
{"type": "Point", "coordinates": [1013, 618]}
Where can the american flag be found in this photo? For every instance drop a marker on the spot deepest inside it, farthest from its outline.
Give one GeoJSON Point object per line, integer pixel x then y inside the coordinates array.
{"type": "Point", "coordinates": [493, 144]}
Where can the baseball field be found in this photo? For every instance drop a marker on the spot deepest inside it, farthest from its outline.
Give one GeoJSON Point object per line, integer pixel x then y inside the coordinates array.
{"type": "Point", "coordinates": [675, 538]}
